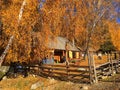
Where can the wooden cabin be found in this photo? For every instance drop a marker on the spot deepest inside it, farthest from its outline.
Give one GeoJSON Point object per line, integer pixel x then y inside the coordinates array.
{"type": "Point", "coordinates": [61, 46]}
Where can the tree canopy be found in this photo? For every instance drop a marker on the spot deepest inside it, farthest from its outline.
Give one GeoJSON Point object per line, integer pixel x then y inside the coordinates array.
{"type": "Point", "coordinates": [88, 23]}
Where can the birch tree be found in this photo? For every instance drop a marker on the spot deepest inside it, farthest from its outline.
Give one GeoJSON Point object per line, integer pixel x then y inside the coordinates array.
{"type": "Point", "coordinates": [19, 27]}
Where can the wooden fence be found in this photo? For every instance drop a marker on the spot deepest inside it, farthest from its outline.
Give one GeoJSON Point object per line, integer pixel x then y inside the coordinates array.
{"type": "Point", "coordinates": [77, 73]}
{"type": "Point", "coordinates": [69, 72]}
{"type": "Point", "coordinates": [108, 69]}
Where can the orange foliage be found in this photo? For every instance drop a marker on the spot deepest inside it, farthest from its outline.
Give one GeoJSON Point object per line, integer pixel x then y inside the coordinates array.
{"type": "Point", "coordinates": [21, 47]}
{"type": "Point", "coordinates": [74, 19]}
{"type": "Point", "coordinates": [114, 29]}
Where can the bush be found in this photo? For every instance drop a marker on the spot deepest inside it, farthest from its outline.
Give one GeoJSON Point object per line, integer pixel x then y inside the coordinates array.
{"type": "Point", "coordinates": [73, 61]}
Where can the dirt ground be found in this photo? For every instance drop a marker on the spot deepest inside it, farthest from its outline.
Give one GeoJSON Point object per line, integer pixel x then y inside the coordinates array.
{"type": "Point", "coordinates": [20, 83]}
{"type": "Point", "coordinates": [97, 61]}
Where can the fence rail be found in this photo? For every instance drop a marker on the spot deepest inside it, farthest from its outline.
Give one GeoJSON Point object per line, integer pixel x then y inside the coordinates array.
{"type": "Point", "coordinates": [77, 73]}
{"type": "Point", "coordinates": [108, 69]}
{"type": "Point", "coordinates": [69, 72]}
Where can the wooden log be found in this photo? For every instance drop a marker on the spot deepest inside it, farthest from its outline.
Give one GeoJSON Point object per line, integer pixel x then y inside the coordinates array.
{"type": "Point", "coordinates": [78, 66]}
{"type": "Point", "coordinates": [46, 67]}
{"type": "Point", "coordinates": [77, 70]}
{"type": "Point", "coordinates": [80, 75]}
{"type": "Point", "coordinates": [56, 72]}
{"type": "Point", "coordinates": [54, 65]}
{"type": "Point", "coordinates": [62, 69]}
{"type": "Point", "coordinates": [106, 69]}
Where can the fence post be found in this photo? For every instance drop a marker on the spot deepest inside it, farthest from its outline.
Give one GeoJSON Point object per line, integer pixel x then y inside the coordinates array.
{"type": "Point", "coordinates": [66, 48]}
{"type": "Point", "coordinates": [109, 63]}
{"type": "Point", "coordinates": [67, 66]}
{"type": "Point", "coordinates": [95, 73]}
{"type": "Point", "coordinates": [90, 67]}
{"type": "Point", "coordinates": [116, 63]}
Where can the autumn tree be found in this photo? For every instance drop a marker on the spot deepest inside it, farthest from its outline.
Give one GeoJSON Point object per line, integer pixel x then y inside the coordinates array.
{"type": "Point", "coordinates": [84, 21]}
{"type": "Point", "coordinates": [21, 46]}
{"type": "Point", "coordinates": [114, 25]}
{"type": "Point", "coordinates": [115, 34]}
{"type": "Point", "coordinates": [81, 21]}
{"type": "Point", "coordinates": [32, 31]}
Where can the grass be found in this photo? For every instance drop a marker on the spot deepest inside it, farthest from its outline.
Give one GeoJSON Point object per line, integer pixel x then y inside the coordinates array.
{"type": "Point", "coordinates": [96, 60]}
{"type": "Point", "coordinates": [26, 83]}
{"type": "Point", "coordinates": [19, 83]}
{"type": "Point", "coordinates": [1, 74]}
{"type": "Point", "coordinates": [113, 78]}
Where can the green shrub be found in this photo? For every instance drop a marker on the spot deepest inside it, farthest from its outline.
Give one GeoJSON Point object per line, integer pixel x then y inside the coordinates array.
{"type": "Point", "coordinates": [73, 61]}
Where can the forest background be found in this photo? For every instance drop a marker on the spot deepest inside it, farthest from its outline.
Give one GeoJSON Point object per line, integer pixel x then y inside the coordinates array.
{"type": "Point", "coordinates": [88, 23]}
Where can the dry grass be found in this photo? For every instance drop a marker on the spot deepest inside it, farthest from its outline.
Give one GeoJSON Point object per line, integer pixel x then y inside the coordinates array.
{"type": "Point", "coordinates": [18, 83]}
{"type": "Point", "coordinates": [96, 60]}
{"type": "Point", "coordinates": [48, 84]}
{"type": "Point", "coordinates": [51, 84]}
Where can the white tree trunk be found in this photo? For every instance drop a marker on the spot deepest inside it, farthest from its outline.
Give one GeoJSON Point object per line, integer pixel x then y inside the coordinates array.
{"type": "Point", "coordinates": [11, 38]}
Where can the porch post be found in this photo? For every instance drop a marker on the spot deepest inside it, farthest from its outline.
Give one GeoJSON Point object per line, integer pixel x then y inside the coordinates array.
{"type": "Point", "coordinates": [66, 48]}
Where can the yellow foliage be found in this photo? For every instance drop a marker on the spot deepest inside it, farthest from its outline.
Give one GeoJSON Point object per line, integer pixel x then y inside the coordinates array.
{"type": "Point", "coordinates": [115, 34]}
{"type": "Point", "coordinates": [57, 18]}
{"type": "Point", "coordinates": [20, 49]}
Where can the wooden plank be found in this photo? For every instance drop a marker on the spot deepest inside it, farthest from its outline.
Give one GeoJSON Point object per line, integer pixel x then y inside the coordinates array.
{"type": "Point", "coordinates": [63, 65]}
{"type": "Point", "coordinates": [80, 75]}
{"type": "Point", "coordinates": [54, 65]}
{"type": "Point", "coordinates": [57, 65]}
{"type": "Point", "coordinates": [45, 67]}
{"type": "Point", "coordinates": [55, 72]}
{"type": "Point", "coordinates": [105, 69]}
{"type": "Point", "coordinates": [77, 70]}
{"type": "Point", "coordinates": [102, 65]}
{"type": "Point", "coordinates": [56, 68]}
{"type": "Point", "coordinates": [82, 69]}
{"type": "Point", "coordinates": [78, 66]}
{"type": "Point", "coordinates": [61, 73]}
{"type": "Point", "coordinates": [64, 69]}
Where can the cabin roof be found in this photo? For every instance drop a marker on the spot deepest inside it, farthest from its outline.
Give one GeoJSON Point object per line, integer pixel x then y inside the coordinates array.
{"type": "Point", "coordinates": [60, 42]}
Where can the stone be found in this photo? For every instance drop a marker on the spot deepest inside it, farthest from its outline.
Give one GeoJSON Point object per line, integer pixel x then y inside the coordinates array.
{"type": "Point", "coordinates": [36, 85]}
{"type": "Point", "coordinates": [52, 80]}
{"type": "Point", "coordinates": [4, 78]}
{"type": "Point", "coordinates": [104, 77]}
{"type": "Point", "coordinates": [85, 87]}
{"type": "Point", "coordinates": [4, 69]}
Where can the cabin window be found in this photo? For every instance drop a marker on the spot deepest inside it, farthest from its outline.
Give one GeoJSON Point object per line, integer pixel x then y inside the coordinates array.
{"type": "Point", "coordinates": [70, 54]}
{"type": "Point", "coordinates": [75, 54]}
